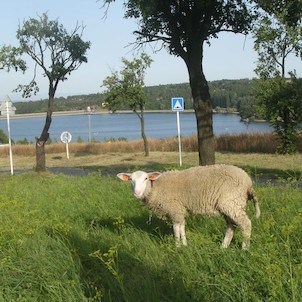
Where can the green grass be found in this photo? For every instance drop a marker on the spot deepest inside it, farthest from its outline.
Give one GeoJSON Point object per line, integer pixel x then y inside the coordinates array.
{"type": "Point", "coordinates": [66, 238]}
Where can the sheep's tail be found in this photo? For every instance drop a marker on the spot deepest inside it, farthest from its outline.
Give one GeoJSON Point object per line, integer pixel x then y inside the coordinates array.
{"type": "Point", "coordinates": [252, 195]}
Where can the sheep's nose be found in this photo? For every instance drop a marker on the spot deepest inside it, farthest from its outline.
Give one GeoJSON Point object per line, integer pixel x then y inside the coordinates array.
{"type": "Point", "coordinates": [138, 194]}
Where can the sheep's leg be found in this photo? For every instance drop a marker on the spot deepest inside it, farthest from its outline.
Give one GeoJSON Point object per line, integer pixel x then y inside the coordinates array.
{"type": "Point", "coordinates": [245, 224]}
{"type": "Point", "coordinates": [179, 233]}
{"type": "Point", "coordinates": [176, 229]}
{"type": "Point", "coordinates": [183, 233]}
{"type": "Point", "coordinates": [228, 234]}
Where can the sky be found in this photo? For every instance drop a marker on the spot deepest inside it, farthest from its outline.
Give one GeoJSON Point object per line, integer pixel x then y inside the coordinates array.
{"type": "Point", "coordinates": [231, 56]}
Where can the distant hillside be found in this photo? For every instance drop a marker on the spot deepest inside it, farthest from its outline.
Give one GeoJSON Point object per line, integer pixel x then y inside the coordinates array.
{"type": "Point", "coordinates": [228, 94]}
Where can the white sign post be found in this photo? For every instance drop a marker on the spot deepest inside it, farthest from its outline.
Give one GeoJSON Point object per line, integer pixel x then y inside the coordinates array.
{"type": "Point", "coordinates": [7, 100]}
{"type": "Point", "coordinates": [177, 105]}
{"type": "Point", "coordinates": [66, 138]}
{"type": "Point", "coordinates": [89, 123]}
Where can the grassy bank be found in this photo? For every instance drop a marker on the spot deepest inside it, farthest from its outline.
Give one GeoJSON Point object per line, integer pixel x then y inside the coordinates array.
{"type": "Point", "coordinates": [66, 238]}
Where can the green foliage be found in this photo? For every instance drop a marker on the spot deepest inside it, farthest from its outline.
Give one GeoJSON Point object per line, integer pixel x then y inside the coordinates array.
{"type": "Point", "coordinates": [10, 58]}
{"type": "Point", "coordinates": [126, 87]}
{"type": "Point", "coordinates": [24, 141]}
{"type": "Point", "coordinates": [289, 10]}
{"type": "Point", "coordinates": [177, 24]}
{"type": "Point", "coordinates": [276, 39]}
{"type": "Point", "coordinates": [80, 140]}
{"type": "Point", "coordinates": [227, 94]}
{"type": "Point", "coordinates": [233, 95]}
{"type": "Point", "coordinates": [53, 49]}
{"type": "Point", "coordinates": [51, 141]}
{"type": "Point", "coordinates": [3, 137]}
{"type": "Point", "coordinates": [76, 102]}
{"type": "Point", "coordinates": [281, 101]}
{"type": "Point", "coordinates": [66, 238]}
{"type": "Point", "coordinates": [159, 96]}
{"type": "Point", "coordinates": [113, 139]}
{"type": "Point", "coordinates": [274, 42]}
{"type": "Point", "coordinates": [110, 260]}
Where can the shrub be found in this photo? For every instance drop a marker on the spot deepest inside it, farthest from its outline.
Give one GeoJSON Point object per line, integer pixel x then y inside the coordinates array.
{"type": "Point", "coordinates": [80, 140]}
{"type": "Point", "coordinates": [3, 137]}
{"type": "Point", "coordinates": [23, 142]}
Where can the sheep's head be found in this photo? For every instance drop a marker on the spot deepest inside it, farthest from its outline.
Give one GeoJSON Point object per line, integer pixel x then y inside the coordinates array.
{"type": "Point", "coordinates": [140, 182]}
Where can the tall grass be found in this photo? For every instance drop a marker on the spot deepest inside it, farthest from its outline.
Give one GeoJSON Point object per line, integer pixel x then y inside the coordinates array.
{"type": "Point", "coordinates": [243, 143]}
{"type": "Point", "coordinates": [66, 238]}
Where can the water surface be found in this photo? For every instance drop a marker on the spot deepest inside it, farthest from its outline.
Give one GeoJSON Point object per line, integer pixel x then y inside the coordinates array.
{"type": "Point", "coordinates": [125, 125]}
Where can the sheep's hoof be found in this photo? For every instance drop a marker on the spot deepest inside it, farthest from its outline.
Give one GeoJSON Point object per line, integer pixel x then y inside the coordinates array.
{"type": "Point", "coordinates": [179, 245]}
{"type": "Point", "coordinates": [245, 246]}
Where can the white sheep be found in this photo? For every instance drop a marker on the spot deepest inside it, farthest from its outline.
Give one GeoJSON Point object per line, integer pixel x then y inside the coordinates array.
{"type": "Point", "coordinates": [206, 190]}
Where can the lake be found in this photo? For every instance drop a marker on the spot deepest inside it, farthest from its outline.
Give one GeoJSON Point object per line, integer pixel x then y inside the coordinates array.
{"type": "Point", "coordinates": [125, 125]}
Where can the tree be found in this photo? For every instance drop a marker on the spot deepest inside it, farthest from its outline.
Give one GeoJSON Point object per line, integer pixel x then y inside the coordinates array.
{"type": "Point", "coordinates": [281, 101]}
{"type": "Point", "coordinates": [275, 41]}
{"type": "Point", "coordinates": [183, 27]}
{"type": "Point", "coordinates": [279, 97]}
{"type": "Point", "coordinates": [126, 88]}
{"type": "Point", "coordinates": [58, 54]}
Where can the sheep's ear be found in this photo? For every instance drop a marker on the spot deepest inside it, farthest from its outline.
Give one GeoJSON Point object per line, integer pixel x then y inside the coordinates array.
{"type": "Point", "coordinates": [154, 175]}
{"type": "Point", "coordinates": [123, 176]}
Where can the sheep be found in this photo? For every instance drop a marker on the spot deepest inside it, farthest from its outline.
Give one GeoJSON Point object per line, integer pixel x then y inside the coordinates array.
{"type": "Point", "coordinates": [206, 190]}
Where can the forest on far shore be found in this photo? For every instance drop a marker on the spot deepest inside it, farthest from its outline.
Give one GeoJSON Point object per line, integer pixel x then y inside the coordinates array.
{"type": "Point", "coordinates": [227, 95]}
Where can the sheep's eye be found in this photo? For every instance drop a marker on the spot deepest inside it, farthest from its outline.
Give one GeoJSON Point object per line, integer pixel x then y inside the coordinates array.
{"type": "Point", "coordinates": [146, 178]}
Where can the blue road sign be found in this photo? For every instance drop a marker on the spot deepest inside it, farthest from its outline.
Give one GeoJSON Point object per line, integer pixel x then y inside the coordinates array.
{"type": "Point", "coordinates": [177, 104]}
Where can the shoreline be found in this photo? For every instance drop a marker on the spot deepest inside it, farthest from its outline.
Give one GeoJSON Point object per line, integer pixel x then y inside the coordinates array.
{"type": "Point", "coordinates": [84, 112]}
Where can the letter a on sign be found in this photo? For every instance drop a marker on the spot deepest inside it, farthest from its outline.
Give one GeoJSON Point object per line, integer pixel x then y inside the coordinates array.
{"type": "Point", "coordinates": [177, 104]}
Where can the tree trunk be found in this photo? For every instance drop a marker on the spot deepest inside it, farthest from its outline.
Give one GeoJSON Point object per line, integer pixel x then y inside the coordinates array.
{"type": "Point", "coordinates": [202, 106]}
{"type": "Point", "coordinates": [40, 142]}
{"type": "Point", "coordinates": [40, 145]}
{"type": "Point", "coordinates": [40, 156]}
{"type": "Point", "coordinates": [204, 119]}
{"type": "Point", "coordinates": [143, 134]}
